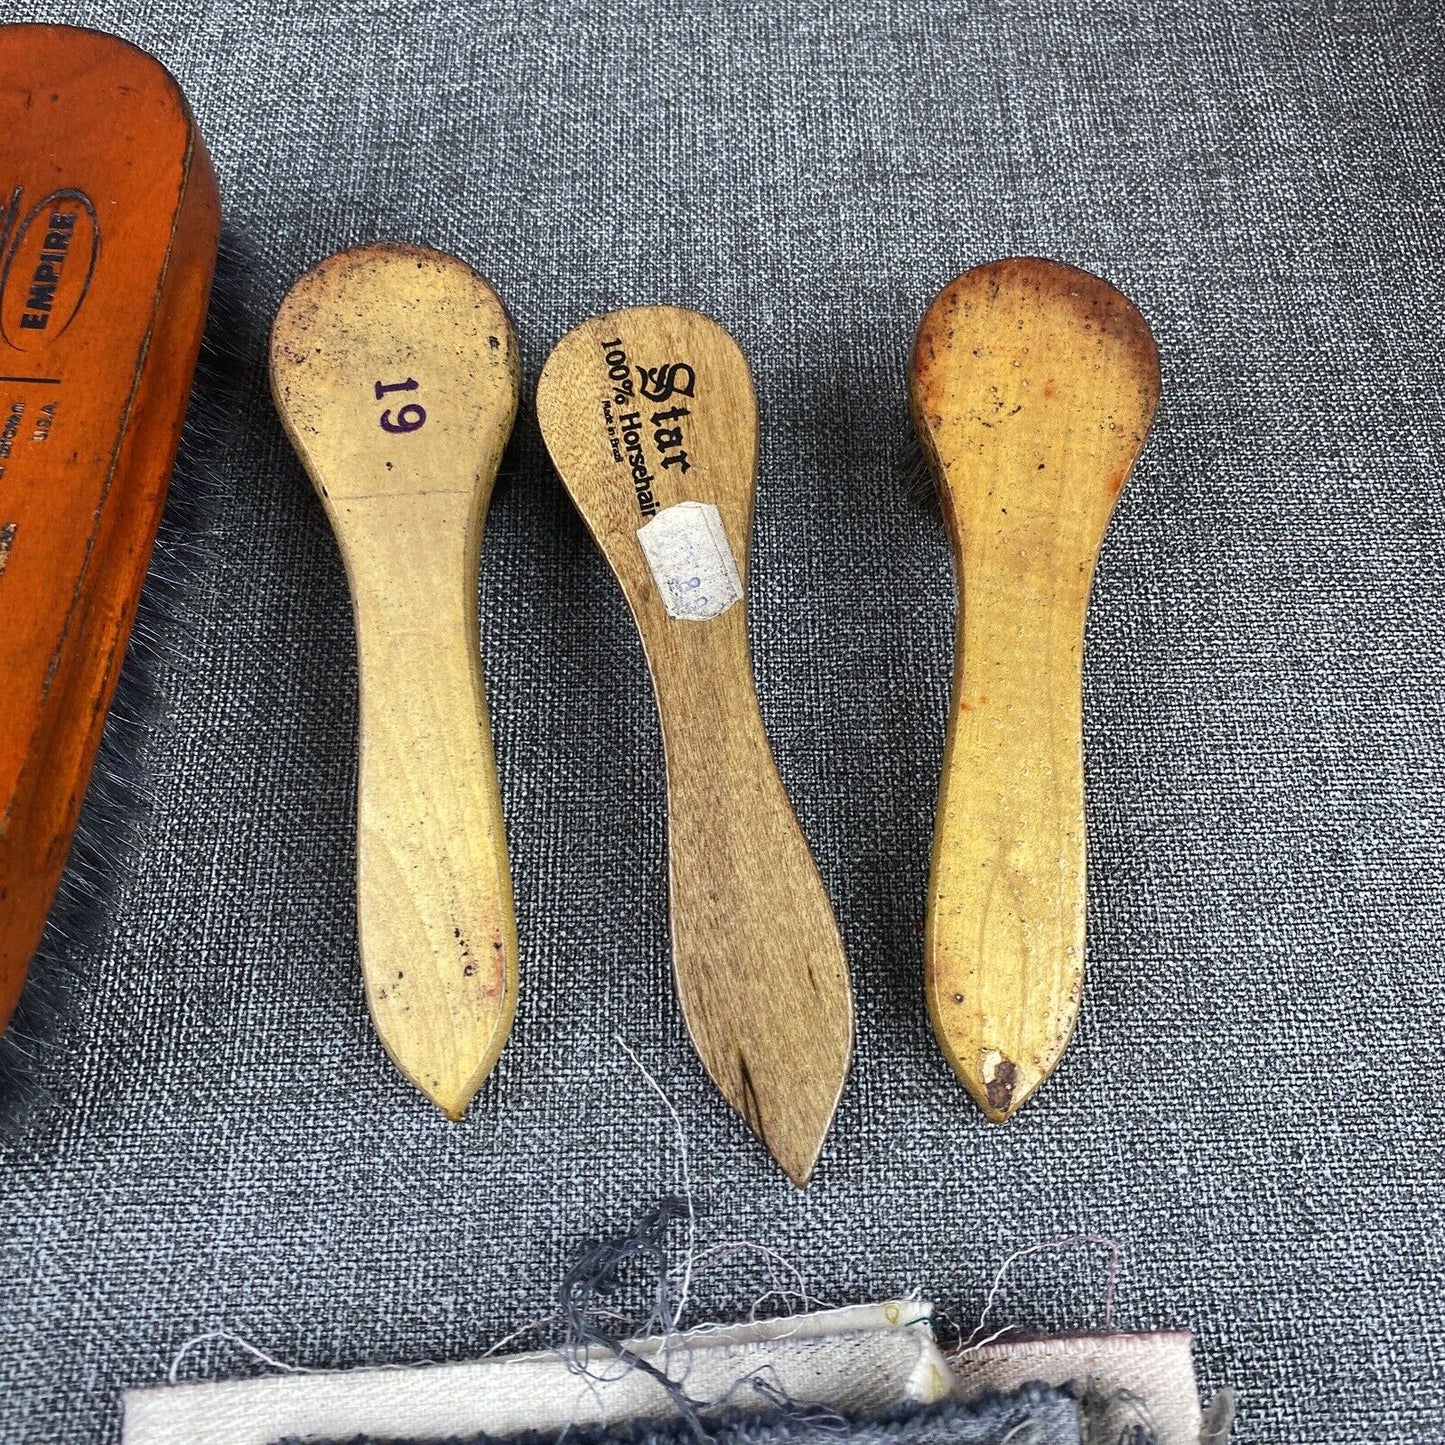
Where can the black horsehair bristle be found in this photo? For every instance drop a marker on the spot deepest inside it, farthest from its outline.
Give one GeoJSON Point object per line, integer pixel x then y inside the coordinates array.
{"type": "Point", "coordinates": [35, 1046]}
{"type": "Point", "coordinates": [915, 474]}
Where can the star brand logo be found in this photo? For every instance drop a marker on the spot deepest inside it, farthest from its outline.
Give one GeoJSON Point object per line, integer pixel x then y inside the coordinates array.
{"type": "Point", "coordinates": [661, 383]}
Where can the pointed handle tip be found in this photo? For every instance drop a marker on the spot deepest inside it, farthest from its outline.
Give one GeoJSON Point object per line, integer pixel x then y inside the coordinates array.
{"type": "Point", "coordinates": [440, 1080]}
{"type": "Point", "coordinates": [998, 1085]}
{"type": "Point", "coordinates": [796, 1136]}
{"type": "Point", "coordinates": [795, 1162]}
{"type": "Point", "coordinates": [445, 1043]}
{"type": "Point", "coordinates": [453, 1101]}
{"type": "Point", "coordinates": [1004, 1050]}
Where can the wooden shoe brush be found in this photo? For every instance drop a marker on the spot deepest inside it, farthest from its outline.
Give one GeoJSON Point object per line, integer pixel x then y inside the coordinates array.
{"type": "Point", "coordinates": [395, 371]}
{"type": "Point", "coordinates": [650, 418]}
{"type": "Point", "coordinates": [109, 224]}
{"type": "Point", "coordinates": [1033, 386]}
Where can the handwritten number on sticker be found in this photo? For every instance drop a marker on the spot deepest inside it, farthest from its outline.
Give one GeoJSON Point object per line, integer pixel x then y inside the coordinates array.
{"type": "Point", "coordinates": [410, 417]}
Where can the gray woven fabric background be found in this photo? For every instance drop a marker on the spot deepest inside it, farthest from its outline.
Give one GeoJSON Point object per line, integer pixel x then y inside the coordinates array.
{"type": "Point", "coordinates": [1254, 1104]}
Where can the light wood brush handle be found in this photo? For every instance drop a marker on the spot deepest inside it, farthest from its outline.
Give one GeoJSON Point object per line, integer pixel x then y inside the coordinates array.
{"type": "Point", "coordinates": [1033, 386]}
{"type": "Point", "coordinates": [395, 371]}
{"type": "Point", "coordinates": [650, 417]}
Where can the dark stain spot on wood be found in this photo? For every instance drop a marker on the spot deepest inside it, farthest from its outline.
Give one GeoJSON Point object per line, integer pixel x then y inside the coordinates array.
{"type": "Point", "coordinates": [1001, 1086]}
{"type": "Point", "coordinates": [470, 963]}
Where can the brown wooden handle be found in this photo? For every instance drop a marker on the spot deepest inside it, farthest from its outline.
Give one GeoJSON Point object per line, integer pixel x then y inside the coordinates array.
{"type": "Point", "coordinates": [758, 961]}
{"type": "Point", "coordinates": [650, 417]}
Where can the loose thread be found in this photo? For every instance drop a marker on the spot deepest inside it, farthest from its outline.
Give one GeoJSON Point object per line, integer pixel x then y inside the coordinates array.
{"type": "Point", "coordinates": [555, 1318]}
{"type": "Point", "coordinates": [794, 1299]}
{"type": "Point", "coordinates": [686, 1180]}
{"type": "Point", "coordinates": [598, 1271]}
{"type": "Point", "coordinates": [1067, 1242]}
{"type": "Point", "coordinates": [173, 1374]}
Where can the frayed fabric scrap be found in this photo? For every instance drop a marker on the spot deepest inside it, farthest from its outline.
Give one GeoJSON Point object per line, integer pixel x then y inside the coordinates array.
{"type": "Point", "coordinates": [863, 1358]}
{"type": "Point", "coordinates": [1135, 1388]}
{"type": "Point", "coordinates": [865, 1375]}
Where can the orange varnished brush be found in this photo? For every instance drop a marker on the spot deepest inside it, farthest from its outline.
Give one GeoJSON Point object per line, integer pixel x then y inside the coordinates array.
{"type": "Point", "coordinates": [109, 224]}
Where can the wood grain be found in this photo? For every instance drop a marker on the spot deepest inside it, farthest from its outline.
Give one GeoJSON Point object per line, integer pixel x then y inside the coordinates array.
{"type": "Point", "coordinates": [758, 962]}
{"type": "Point", "coordinates": [109, 223]}
{"type": "Point", "coordinates": [396, 374]}
{"type": "Point", "coordinates": [1033, 386]}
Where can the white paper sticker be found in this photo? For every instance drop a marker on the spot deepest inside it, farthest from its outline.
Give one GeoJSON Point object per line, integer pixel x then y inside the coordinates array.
{"type": "Point", "coordinates": [691, 560]}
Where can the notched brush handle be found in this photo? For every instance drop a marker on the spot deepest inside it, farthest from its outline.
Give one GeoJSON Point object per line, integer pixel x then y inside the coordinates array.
{"type": "Point", "coordinates": [650, 417]}
{"type": "Point", "coordinates": [395, 370]}
{"type": "Point", "coordinates": [758, 964]}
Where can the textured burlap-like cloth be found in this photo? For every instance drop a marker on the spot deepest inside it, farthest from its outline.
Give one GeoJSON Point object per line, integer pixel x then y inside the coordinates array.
{"type": "Point", "coordinates": [1254, 1104]}
{"type": "Point", "coordinates": [869, 1374]}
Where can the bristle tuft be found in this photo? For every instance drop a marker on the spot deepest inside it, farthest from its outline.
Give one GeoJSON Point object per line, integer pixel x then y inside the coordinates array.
{"type": "Point", "coordinates": [915, 474]}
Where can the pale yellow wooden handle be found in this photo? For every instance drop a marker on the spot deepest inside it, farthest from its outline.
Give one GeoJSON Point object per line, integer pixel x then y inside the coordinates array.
{"type": "Point", "coordinates": [435, 924]}
{"type": "Point", "coordinates": [1004, 927]}
{"type": "Point", "coordinates": [395, 371]}
{"type": "Point", "coordinates": [1033, 386]}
